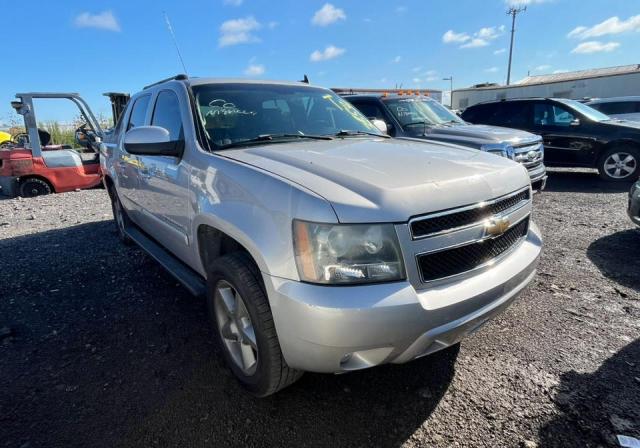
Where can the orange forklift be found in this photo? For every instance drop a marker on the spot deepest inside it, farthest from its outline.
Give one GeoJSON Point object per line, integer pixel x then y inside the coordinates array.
{"type": "Point", "coordinates": [30, 165]}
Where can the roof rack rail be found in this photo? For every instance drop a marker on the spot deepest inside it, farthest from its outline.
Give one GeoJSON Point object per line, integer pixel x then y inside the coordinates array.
{"type": "Point", "coordinates": [180, 77]}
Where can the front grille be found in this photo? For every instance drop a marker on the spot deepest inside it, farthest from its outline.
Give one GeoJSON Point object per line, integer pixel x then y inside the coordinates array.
{"type": "Point", "coordinates": [442, 264]}
{"type": "Point", "coordinates": [470, 215]}
{"type": "Point", "coordinates": [522, 156]}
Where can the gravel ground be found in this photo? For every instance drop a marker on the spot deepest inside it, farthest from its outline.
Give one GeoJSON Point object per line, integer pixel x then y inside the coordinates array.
{"type": "Point", "coordinates": [100, 347]}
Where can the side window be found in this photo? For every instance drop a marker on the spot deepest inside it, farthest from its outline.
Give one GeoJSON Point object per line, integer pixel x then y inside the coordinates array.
{"type": "Point", "coordinates": [510, 114]}
{"type": "Point", "coordinates": [370, 109]}
{"type": "Point", "coordinates": [551, 115]}
{"type": "Point", "coordinates": [139, 112]}
{"type": "Point", "coordinates": [166, 114]}
{"type": "Point", "coordinates": [475, 114]}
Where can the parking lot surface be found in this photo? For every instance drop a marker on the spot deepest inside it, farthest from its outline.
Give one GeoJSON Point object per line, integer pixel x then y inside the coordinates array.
{"type": "Point", "coordinates": [100, 347]}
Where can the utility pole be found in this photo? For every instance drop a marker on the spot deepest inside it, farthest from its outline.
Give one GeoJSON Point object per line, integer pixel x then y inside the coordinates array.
{"type": "Point", "coordinates": [513, 12]}
{"type": "Point", "coordinates": [450, 79]}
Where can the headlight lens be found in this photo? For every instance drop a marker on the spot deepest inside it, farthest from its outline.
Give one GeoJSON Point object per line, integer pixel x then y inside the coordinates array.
{"type": "Point", "coordinates": [500, 149]}
{"type": "Point", "coordinates": [346, 253]}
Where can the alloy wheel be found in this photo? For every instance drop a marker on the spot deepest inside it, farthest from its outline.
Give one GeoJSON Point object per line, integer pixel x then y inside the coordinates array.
{"type": "Point", "coordinates": [620, 165]}
{"type": "Point", "coordinates": [235, 327]}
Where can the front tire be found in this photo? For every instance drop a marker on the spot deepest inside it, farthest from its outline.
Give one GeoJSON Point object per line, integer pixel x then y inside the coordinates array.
{"type": "Point", "coordinates": [32, 186]}
{"type": "Point", "coordinates": [241, 317]}
{"type": "Point", "coordinates": [619, 164]}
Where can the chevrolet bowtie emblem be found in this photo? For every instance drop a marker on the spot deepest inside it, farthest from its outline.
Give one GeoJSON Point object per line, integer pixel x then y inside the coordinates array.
{"type": "Point", "coordinates": [497, 226]}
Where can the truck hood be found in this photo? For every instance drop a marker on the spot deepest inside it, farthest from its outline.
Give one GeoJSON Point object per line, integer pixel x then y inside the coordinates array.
{"type": "Point", "coordinates": [386, 180]}
{"type": "Point", "coordinates": [478, 134]}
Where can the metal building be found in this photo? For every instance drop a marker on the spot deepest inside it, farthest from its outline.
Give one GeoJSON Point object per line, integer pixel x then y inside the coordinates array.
{"type": "Point", "coordinates": [595, 83]}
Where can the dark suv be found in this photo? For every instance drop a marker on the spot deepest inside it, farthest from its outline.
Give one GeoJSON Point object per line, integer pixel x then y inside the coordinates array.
{"type": "Point", "coordinates": [574, 134]}
{"type": "Point", "coordinates": [420, 117]}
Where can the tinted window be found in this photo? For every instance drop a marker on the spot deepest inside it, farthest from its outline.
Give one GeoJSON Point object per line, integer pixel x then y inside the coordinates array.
{"type": "Point", "coordinates": [139, 112]}
{"type": "Point", "coordinates": [167, 114]}
{"type": "Point", "coordinates": [550, 115]}
{"type": "Point", "coordinates": [476, 114]}
{"type": "Point", "coordinates": [509, 114]}
{"type": "Point", "coordinates": [622, 107]}
{"type": "Point", "coordinates": [370, 109]}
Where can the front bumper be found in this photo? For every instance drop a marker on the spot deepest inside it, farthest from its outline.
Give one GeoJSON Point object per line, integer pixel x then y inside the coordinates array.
{"type": "Point", "coordinates": [538, 177]}
{"type": "Point", "coordinates": [338, 329]}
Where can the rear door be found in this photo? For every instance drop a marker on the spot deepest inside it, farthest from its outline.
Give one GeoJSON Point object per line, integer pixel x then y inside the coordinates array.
{"type": "Point", "coordinates": [566, 135]}
{"type": "Point", "coordinates": [164, 180]}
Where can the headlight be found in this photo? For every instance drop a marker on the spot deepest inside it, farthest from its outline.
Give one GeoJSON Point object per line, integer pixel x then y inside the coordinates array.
{"type": "Point", "coordinates": [345, 253]}
{"type": "Point", "coordinates": [500, 149]}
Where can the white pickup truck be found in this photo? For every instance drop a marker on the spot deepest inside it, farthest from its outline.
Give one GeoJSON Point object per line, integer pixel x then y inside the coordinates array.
{"type": "Point", "coordinates": [320, 244]}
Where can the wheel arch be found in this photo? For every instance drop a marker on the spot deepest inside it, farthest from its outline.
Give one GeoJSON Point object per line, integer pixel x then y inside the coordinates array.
{"type": "Point", "coordinates": [37, 176]}
{"type": "Point", "coordinates": [622, 142]}
{"type": "Point", "coordinates": [213, 243]}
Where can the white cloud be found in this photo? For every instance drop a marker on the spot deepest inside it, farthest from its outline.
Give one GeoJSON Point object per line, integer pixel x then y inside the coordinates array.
{"type": "Point", "coordinates": [330, 52]}
{"type": "Point", "coordinates": [500, 51]}
{"type": "Point", "coordinates": [475, 43]}
{"type": "Point", "coordinates": [233, 2]}
{"type": "Point", "coordinates": [613, 25]}
{"type": "Point", "coordinates": [396, 59]}
{"type": "Point", "coordinates": [272, 25]}
{"type": "Point", "coordinates": [595, 46]}
{"type": "Point", "coordinates": [492, 70]}
{"type": "Point", "coordinates": [555, 72]}
{"type": "Point", "coordinates": [416, 69]}
{"type": "Point", "coordinates": [238, 31]}
{"type": "Point", "coordinates": [481, 38]}
{"type": "Point", "coordinates": [254, 70]}
{"type": "Point", "coordinates": [542, 68]}
{"type": "Point", "coordinates": [103, 21]}
{"type": "Point", "coordinates": [453, 37]}
{"type": "Point", "coordinates": [327, 15]}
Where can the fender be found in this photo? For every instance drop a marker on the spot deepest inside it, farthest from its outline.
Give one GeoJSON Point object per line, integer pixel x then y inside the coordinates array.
{"type": "Point", "coordinates": [255, 208]}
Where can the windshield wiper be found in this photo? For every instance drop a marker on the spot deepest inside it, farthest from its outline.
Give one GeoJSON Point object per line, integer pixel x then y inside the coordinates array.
{"type": "Point", "coordinates": [274, 138]}
{"type": "Point", "coordinates": [348, 133]}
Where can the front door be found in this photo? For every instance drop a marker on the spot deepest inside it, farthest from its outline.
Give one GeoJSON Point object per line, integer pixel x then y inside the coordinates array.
{"type": "Point", "coordinates": [566, 135]}
{"type": "Point", "coordinates": [164, 181]}
{"type": "Point", "coordinates": [128, 165]}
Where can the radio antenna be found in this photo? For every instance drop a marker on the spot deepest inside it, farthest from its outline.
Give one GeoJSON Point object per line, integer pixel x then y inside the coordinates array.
{"type": "Point", "coordinates": [175, 42]}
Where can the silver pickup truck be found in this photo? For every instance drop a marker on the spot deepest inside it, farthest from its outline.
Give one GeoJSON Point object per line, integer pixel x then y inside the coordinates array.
{"type": "Point", "coordinates": [320, 244]}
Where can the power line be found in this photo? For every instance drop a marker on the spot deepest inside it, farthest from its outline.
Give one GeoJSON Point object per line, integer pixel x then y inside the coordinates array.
{"type": "Point", "coordinates": [513, 12]}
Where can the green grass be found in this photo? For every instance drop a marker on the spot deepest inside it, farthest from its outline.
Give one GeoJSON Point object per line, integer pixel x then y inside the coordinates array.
{"type": "Point", "coordinates": [59, 136]}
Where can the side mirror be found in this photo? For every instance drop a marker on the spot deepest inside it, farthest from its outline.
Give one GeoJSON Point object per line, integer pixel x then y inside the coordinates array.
{"type": "Point", "coordinates": [381, 125]}
{"type": "Point", "coordinates": [152, 141]}
{"type": "Point", "coordinates": [575, 122]}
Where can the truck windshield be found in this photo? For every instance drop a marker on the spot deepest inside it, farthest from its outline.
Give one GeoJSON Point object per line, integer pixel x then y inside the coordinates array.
{"type": "Point", "coordinates": [233, 114]}
{"type": "Point", "coordinates": [585, 110]}
{"type": "Point", "coordinates": [420, 111]}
